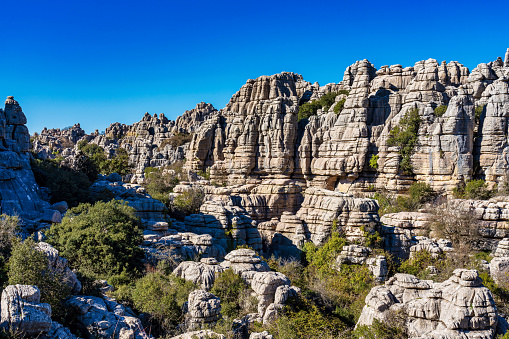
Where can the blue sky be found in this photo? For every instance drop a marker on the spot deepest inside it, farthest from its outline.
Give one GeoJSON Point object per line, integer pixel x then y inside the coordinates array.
{"type": "Point", "coordinates": [98, 62]}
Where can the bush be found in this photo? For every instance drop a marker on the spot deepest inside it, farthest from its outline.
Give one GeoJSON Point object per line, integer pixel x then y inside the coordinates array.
{"type": "Point", "coordinates": [440, 110]}
{"type": "Point", "coordinates": [338, 108]}
{"type": "Point", "coordinates": [474, 189]}
{"type": "Point", "coordinates": [28, 266]}
{"type": "Point", "coordinates": [405, 137]}
{"type": "Point", "coordinates": [178, 139]}
{"type": "Point", "coordinates": [417, 264]}
{"type": "Point", "coordinates": [478, 112]}
{"type": "Point", "coordinates": [100, 162]}
{"type": "Point", "coordinates": [187, 203]}
{"type": "Point", "coordinates": [233, 292]}
{"type": "Point", "coordinates": [100, 240]}
{"type": "Point", "coordinates": [162, 297]}
{"type": "Point", "coordinates": [373, 161]}
{"type": "Point", "coordinates": [395, 329]}
{"type": "Point", "coordinates": [419, 194]}
{"type": "Point", "coordinates": [65, 184]}
{"type": "Point", "coordinates": [325, 102]}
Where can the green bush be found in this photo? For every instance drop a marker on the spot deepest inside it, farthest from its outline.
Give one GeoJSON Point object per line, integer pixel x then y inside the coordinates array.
{"type": "Point", "coordinates": [418, 263]}
{"type": "Point", "coordinates": [325, 102]}
{"type": "Point", "coordinates": [322, 257]}
{"type": "Point", "coordinates": [373, 161]}
{"type": "Point", "coordinates": [28, 266]}
{"type": "Point", "coordinates": [231, 289]}
{"type": "Point", "coordinates": [474, 189]}
{"type": "Point", "coordinates": [100, 240]}
{"type": "Point", "coordinates": [478, 112]}
{"type": "Point", "coordinates": [338, 108]}
{"type": "Point", "coordinates": [65, 184]}
{"type": "Point", "coordinates": [100, 162]}
{"type": "Point", "coordinates": [187, 203]}
{"type": "Point", "coordinates": [162, 297]}
{"type": "Point", "coordinates": [178, 139]}
{"type": "Point", "coordinates": [419, 194]}
{"type": "Point", "coordinates": [440, 110]}
{"type": "Point", "coordinates": [381, 330]}
{"type": "Point", "coordinates": [405, 136]}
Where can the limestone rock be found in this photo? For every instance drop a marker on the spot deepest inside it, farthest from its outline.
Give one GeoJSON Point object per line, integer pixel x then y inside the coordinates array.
{"type": "Point", "coordinates": [199, 273]}
{"type": "Point", "coordinates": [59, 265]}
{"type": "Point", "coordinates": [201, 334]}
{"type": "Point", "coordinates": [202, 308]}
{"type": "Point", "coordinates": [22, 310]}
{"type": "Point", "coordinates": [460, 307]}
{"type": "Point", "coordinates": [244, 260]}
{"type": "Point", "coordinates": [104, 318]}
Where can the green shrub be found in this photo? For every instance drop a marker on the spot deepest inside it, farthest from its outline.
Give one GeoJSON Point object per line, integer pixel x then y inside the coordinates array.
{"type": "Point", "coordinates": [205, 174]}
{"type": "Point", "coordinates": [405, 136]}
{"type": "Point", "coordinates": [373, 161]}
{"type": "Point", "coordinates": [322, 257]}
{"type": "Point", "coordinates": [100, 240]}
{"type": "Point", "coordinates": [338, 108]}
{"type": "Point", "coordinates": [187, 203]}
{"type": "Point", "coordinates": [381, 330]}
{"type": "Point", "coordinates": [65, 184]}
{"type": "Point", "coordinates": [162, 297]}
{"type": "Point", "coordinates": [325, 102]}
{"type": "Point", "coordinates": [231, 289]}
{"type": "Point", "coordinates": [28, 266]}
{"type": "Point", "coordinates": [178, 139]}
{"type": "Point", "coordinates": [421, 192]}
{"type": "Point", "coordinates": [478, 112]}
{"type": "Point", "coordinates": [418, 263]}
{"type": "Point", "coordinates": [100, 162]}
{"type": "Point", "coordinates": [474, 189]}
{"type": "Point", "coordinates": [440, 110]}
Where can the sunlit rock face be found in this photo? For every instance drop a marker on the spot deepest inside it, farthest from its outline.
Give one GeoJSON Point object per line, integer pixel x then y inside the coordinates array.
{"type": "Point", "coordinates": [19, 193]}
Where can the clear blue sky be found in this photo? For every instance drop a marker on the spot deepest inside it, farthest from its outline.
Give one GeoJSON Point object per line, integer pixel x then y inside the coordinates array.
{"type": "Point", "coordinates": [98, 62]}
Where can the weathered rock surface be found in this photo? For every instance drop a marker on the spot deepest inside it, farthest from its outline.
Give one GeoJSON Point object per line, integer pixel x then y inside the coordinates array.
{"type": "Point", "coordinates": [59, 265]}
{"type": "Point", "coordinates": [203, 308]}
{"type": "Point", "coordinates": [105, 318]}
{"type": "Point", "coordinates": [245, 262]}
{"type": "Point", "coordinates": [23, 312]}
{"type": "Point", "coordinates": [201, 273]}
{"type": "Point", "coordinates": [19, 193]}
{"type": "Point", "coordinates": [460, 307]}
{"type": "Point", "coordinates": [201, 334]}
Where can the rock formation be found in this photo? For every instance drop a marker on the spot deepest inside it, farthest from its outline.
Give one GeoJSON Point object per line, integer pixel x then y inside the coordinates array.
{"type": "Point", "coordinates": [203, 308]}
{"type": "Point", "coordinates": [460, 307]}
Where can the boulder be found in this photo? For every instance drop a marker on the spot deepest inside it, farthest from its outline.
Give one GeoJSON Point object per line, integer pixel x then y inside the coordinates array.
{"type": "Point", "coordinates": [203, 308]}
{"type": "Point", "coordinates": [23, 312]}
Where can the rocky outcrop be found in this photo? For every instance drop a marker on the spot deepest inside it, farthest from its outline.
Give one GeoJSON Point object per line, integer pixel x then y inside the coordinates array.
{"type": "Point", "coordinates": [499, 265]}
{"type": "Point", "coordinates": [201, 273]}
{"type": "Point", "coordinates": [22, 310]}
{"type": "Point", "coordinates": [201, 334]}
{"type": "Point", "coordinates": [460, 307]}
{"type": "Point", "coordinates": [360, 255]}
{"type": "Point", "coordinates": [203, 308]}
{"type": "Point", "coordinates": [105, 318]}
{"type": "Point", "coordinates": [58, 265]}
{"type": "Point", "coordinates": [54, 142]}
{"type": "Point", "coordinates": [19, 193]}
{"type": "Point", "coordinates": [245, 262]}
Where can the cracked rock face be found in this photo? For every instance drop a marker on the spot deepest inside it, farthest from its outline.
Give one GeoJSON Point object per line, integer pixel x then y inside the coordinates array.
{"type": "Point", "coordinates": [19, 193]}
{"type": "Point", "coordinates": [460, 307]}
{"type": "Point", "coordinates": [202, 308]}
{"type": "Point", "coordinates": [22, 310]}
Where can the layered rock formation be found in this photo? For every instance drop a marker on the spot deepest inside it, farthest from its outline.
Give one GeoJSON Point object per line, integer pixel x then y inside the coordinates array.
{"type": "Point", "coordinates": [460, 307]}
{"type": "Point", "coordinates": [19, 193]}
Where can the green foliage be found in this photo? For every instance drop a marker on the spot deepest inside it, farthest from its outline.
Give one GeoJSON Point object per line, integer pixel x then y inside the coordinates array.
{"type": "Point", "coordinates": [187, 203]}
{"type": "Point", "coordinates": [325, 102]}
{"type": "Point", "coordinates": [404, 136]}
{"type": "Point", "coordinates": [231, 289]}
{"type": "Point", "coordinates": [478, 112]}
{"type": "Point", "coordinates": [178, 139]}
{"type": "Point", "coordinates": [474, 189]}
{"type": "Point", "coordinates": [419, 194]}
{"type": "Point", "coordinates": [159, 182]}
{"type": "Point", "coordinates": [322, 257]}
{"type": "Point", "coordinates": [8, 228]}
{"type": "Point", "coordinates": [161, 296]}
{"type": "Point", "coordinates": [305, 321]}
{"type": "Point", "coordinates": [205, 174]}
{"type": "Point", "coordinates": [339, 106]}
{"type": "Point", "coordinates": [28, 266]}
{"type": "Point", "coordinates": [100, 240]}
{"type": "Point", "coordinates": [373, 161]}
{"type": "Point", "coordinates": [418, 263]}
{"type": "Point", "coordinates": [65, 184]}
{"type": "Point", "coordinates": [100, 162]}
{"type": "Point", "coordinates": [380, 330]}
{"type": "Point", "coordinates": [483, 255]}
{"type": "Point", "coordinates": [440, 110]}
{"type": "Point", "coordinates": [372, 238]}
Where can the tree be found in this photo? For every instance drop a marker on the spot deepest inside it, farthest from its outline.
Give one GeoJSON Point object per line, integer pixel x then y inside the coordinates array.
{"type": "Point", "coordinates": [100, 240]}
